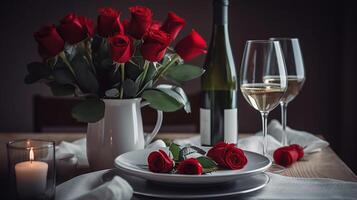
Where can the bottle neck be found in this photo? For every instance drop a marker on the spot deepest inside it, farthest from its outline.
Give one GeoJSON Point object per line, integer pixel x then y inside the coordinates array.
{"type": "Point", "coordinates": [220, 12]}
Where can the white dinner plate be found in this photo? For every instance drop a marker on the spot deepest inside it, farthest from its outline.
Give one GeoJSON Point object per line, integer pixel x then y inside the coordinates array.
{"type": "Point", "coordinates": [146, 188]}
{"type": "Point", "coordinates": [135, 163]}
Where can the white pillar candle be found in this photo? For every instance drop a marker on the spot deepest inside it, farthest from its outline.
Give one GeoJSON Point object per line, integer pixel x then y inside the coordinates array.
{"type": "Point", "coordinates": [31, 177]}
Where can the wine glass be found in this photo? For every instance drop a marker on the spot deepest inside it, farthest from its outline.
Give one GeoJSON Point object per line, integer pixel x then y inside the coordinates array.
{"type": "Point", "coordinates": [295, 76]}
{"type": "Point", "coordinates": [261, 59]}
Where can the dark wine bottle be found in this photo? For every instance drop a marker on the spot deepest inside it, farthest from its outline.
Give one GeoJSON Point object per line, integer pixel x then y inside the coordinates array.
{"type": "Point", "coordinates": [218, 113]}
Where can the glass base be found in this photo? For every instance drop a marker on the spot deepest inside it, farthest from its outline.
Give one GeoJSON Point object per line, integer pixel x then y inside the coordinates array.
{"type": "Point", "coordinates": [276, 169]}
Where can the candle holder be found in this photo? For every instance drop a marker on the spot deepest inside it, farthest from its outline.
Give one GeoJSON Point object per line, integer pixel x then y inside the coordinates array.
{"type": "Point", "coordinates": [32, 169]}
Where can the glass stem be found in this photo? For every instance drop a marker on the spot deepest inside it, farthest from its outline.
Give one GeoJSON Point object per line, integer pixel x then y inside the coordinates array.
{"type": "Point", "coordinates": [284, 138]}
{"type": "Point", "coordinates": [265, 132]}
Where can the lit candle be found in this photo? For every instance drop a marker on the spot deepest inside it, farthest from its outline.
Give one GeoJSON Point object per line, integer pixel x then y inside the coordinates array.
{"type": "Point", "coordinates": [31, 177]}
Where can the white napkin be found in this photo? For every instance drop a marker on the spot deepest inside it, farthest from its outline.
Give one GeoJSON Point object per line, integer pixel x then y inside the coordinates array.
{"type": "Point", "coordinates": [254, 143]}
{"type": "Point", "coordinates": [283, 187]}
{"type": "Point", "coordinates": [70, 158]}
{"type": "Point", "coordinates": [91, 187]}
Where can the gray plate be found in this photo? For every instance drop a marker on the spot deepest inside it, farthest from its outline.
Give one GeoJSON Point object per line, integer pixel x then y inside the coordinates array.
{"type": "Point", "coordinates": [146, 188]}
{"type": "Point", "coordinates": [135, 163]}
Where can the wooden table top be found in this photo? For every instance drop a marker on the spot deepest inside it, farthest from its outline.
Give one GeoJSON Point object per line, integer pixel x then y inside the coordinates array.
{"type": "Point", "coordinates": [324, 164]}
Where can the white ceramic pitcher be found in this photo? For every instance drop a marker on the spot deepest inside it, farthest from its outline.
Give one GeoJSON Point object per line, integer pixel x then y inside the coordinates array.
{"type": "Point", "coordinates": [120, 131]}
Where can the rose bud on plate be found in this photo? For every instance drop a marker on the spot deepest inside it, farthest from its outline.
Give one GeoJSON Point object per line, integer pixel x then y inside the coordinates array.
{"type": "Point", "coordinates": [228, 156]}
{"type": "Point", "coordinates": [286, 156]}
{"type": "Point", "coordinates": [160, 162]}
{"type": "Point", "coordinates": [190, 166]}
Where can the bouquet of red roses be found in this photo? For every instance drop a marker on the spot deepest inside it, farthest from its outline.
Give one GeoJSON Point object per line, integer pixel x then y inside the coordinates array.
{"type": "Point", "coordinates": [116, 60]}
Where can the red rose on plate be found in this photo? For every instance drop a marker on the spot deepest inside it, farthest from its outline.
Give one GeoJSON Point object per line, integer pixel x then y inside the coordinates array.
{"type": "Point", "coordinates": [121, 48]}
{"type": "Point", "coordinates": [140, 22]}
{"type": "Point", "coordinates": [155, 44]}
{"type": "Point", "coordinates": [228, 156]}
{"type": "Point", "coordinates": [109, 22]}
{"type": "Point", "coordinates": [285, 156]}
{"type": "Point", "coordinates": [49, 41]}
{"type": "Point", "coordinates": [190, 166]}
{"type": "Point", "coordinates": [191, 46]}
{"type": "Point", "coordinates": [235, 157]}
{"type": "Point", "coordinates": [217, 153]}
{"type": "Point", "coordinates": [74, 29]}
{"type": "Point", "coordinates": [173, 25]}
{"type": "Point", "coordinates": [160, 162]}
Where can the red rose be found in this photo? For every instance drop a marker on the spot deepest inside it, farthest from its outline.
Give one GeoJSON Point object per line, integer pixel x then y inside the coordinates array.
{"type": "Point", "coordinates": [155, 25]}
{"type": "Point", "coordinates": [235, 157]}
{"type": "Point", "coordinates": [140, 22]}
{"type": "Point", "coordinates": [191, 46]}
{"type": "Point", "coordinates": [217, 153]}
{"type": "Point", "coordinates": [74, 29]}
{"type": "Point", "coordinates": [173, 25]}
{"type": "Point", "coordinates": [228, 156]}
{"type": "Point", "coordinates": [190, 166]}
{"type": "Point", "coordinates": [155, 44]}
{"type": "Point", "coordinates": [299, 149]}
{"type": "Point", "coordinates": [285, 156]}
{"type": "Point", "coordinates": [125, 24]}
{"type": "Point", "coordinates": [49, 41]}
{"type": "Point", "coordinates": [121, 48]}
{"type": "Point", "coordinates": [87, 24]}
{"type": "Point", "coordinates": [160, 162]}
{"type": "Point", "coordinates": [109, 22]}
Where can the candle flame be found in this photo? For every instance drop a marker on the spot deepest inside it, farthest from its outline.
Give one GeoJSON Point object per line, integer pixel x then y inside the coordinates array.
{"type": "Point", "coordinates": [32, 157]}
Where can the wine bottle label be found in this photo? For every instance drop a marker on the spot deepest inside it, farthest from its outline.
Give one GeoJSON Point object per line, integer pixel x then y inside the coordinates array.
{"type": "Point", "coordinates": [205, 126]}
{"type": "Point", "coordinates": [230, 126]}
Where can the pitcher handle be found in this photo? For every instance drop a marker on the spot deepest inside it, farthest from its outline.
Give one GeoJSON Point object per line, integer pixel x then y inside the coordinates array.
{"type": "Point", "coordinates": [150, 136]}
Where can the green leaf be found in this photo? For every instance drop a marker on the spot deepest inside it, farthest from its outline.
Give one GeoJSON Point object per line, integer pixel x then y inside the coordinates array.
{"type": "Point", "coordinates": [87, 81]}
{"type": "Point", "coordinates": [161, 101]}
{"type": "Point", "coordinates": [63, 75]}
{"type": "Point", "coordinates": [150, 73]}
{"type": "Point", "coordinates": [207, 163]}
{"type": "Point", "coordinates": [177, 93]}
{"type": "Point", "coordinates": [175, 151]}
{"type": "Point", "coordinates": [184, 72]}
{"type": "Point", "coordinates": [106, 63]}
{"type": "Point", "coordinates": [37, 71]}
{"type": "Point", "coordinates": [130, 88]}
{"type": "Point", "coordinates": [132, 71]}
{"type": "Point", "coordinates": [90, 110]}
{"type": "Point", "coordinates": [61, 90]}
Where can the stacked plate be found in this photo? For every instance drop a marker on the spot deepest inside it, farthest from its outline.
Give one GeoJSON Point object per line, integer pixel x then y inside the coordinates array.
{"type": "Point", "coordinates": [133, 167]}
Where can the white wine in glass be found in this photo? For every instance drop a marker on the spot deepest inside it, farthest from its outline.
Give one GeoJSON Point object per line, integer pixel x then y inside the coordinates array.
{"type": "Point", "coordinates": [295, 84]}
{"type": "Point", "coordinates": [295, 75]}
{"type": "Point", "coordinates": [261, 59]}
{"type": "Point", "coordinates": [263, 97]}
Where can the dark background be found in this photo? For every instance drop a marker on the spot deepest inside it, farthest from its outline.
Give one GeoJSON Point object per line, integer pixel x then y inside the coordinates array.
{"type": "Point", "coordinates": [326, 29]}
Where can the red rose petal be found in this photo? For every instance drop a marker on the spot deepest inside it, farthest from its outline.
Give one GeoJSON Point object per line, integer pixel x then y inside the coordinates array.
{"type": "Point", "coordinates": [190, 166]}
